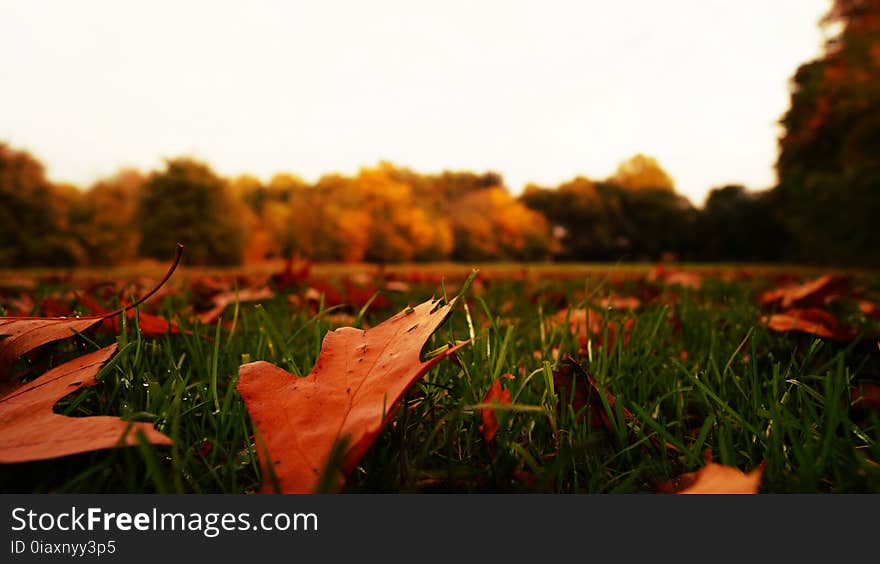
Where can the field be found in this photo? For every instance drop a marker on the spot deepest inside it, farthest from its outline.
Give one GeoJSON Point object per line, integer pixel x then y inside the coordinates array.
{"type": "Point", "coordinates": [611, 379]}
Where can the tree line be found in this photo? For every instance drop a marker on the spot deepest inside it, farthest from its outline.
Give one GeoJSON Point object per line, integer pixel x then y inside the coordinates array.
{"type": "Point", "coordinates": [822, 210]}
{"type": "Point", "coordinates": [382, 214]}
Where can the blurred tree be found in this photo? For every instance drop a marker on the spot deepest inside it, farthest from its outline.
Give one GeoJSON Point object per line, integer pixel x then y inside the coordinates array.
{"type": "Point", "coordinates": [655, 222]}
{"type": "Point", "coordinates": [260, 242]}
{"type": "Point", "coordinates": [604, 221]}
{"type": "Point", "coordinates": [489, 224]}
{"type": "Point", "coordinates": [580, 218]}
{"type": "Point", "coordinates": [400, 228]}
{"type": "Point", "coordinates": [641, 171]}
{"type": "Point", "coordinates": [829, 158]}
{"type": "Point", "coordinates": [104, 219]}
{"type": "Point", "coordinates": [34, 230]}
{"type": "Point", "coordinates": [738, 225]}
{"type": "Point", "coordinates": [329, 221]}
{"type": "Point", "coordinates": [189, 203]}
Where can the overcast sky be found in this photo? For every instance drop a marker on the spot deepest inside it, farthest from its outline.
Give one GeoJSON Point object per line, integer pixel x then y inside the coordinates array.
{"type": "Point", "coordinates": [539, 91]}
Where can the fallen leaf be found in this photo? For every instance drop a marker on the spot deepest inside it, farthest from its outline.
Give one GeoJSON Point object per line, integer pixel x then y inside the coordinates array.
{"type": "Point", "coordinates": [496, 393]}
{"type": "Point", "coordinates": [150, 325]}
{"type": "Point", "coordinates": [223, 300]}
{"type": "Point", "coordinates": [812, 321]}
{"type": "Point", "coordinates": [812, 292]}
{"type": "Point", "coordinates": [354, 297]}
{"type": "Point", "coordinates": [715, 479]}
{"type": "Point", "coordinates": [25, 334]}
{"type": "Point", "coordinates": [587, 324]}
{"type": "Point", "coordinates": [29, 430]}
{"type": "Point", "coordinates": [354, 389]}
{"type": "Point", "coordinates": [576, 387]}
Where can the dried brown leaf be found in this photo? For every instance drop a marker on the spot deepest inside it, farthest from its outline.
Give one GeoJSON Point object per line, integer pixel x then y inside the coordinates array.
{"type": "Point", "coordinates": [29, 430]}
{"type": "Point", "coordinates": [24, 334]}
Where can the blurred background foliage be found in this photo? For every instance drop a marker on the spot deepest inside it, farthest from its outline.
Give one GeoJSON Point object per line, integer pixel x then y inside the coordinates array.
{"type": "Point", "coordinates": [822, 210]}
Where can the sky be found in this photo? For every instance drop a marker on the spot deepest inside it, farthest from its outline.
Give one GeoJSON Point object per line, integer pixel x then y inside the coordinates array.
{"type": "Point", "coordinates": [538, 91]}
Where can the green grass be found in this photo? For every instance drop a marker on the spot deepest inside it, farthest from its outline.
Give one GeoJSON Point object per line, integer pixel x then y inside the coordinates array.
{"type": "Point", "coordinates": [749, 394]}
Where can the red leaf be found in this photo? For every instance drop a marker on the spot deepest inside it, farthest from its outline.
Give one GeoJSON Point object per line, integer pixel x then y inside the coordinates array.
{"type": "Point", "coordinates": [29, 430]}
{"type": "Point", "coordinates": [24, 334]}
{"type": "Point", "coordinates": [149, 324]}
{"type": "Point", "coordinates": [496, 393]}
{"type": "Point", "coordinates": [352, 392]}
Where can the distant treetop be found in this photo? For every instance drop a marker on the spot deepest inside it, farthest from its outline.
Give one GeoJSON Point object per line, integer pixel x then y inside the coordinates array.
{"type": "Point", "coordinates": [642, 171]}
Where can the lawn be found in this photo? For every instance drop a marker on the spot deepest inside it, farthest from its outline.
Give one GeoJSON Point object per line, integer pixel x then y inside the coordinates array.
{"type": "Point", "coordinates": [685, 362]}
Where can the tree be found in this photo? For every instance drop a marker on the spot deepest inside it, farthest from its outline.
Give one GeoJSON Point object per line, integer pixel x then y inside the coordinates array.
{"type": "Point", "coordinates": [641, 171]}
{"type": "Point", "coordinates": [400, 228]}
{"type": "Point", "coordinates": [490, 224]}
{"type": "Point", "coordinates": [189, 203]}
{"type": "Point", "coordinates": [33, 214]}
{"type": "Point", "coordinates": [829, 153]}
{"type": "Point", "coordinates": [605, 221]}
{"type": "Point", "coordinates": [655, 222]}
{"type": "Point", "coordinates": [104, 219]}
{"type": "Point", "coordinates": [329, 221]}
{"type": "Point", "coordinates": [580, 218]}
{"type": "Point", "coordinates": [739, 225]}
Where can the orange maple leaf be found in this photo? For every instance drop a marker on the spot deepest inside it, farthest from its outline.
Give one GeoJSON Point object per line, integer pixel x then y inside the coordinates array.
{"type": "Point", "coordinates": [351, 394]}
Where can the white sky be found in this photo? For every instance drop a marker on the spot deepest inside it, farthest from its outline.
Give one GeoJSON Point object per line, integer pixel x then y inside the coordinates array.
{"type": "Point", "coordinates": [539, 91]}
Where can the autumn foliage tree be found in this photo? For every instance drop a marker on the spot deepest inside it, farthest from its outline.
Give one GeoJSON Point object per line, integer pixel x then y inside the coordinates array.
{"type": "Point", "coordinates": [829, 159]}
{"type": "Point", "coordinates": [329, 221]}
{"type": "Point", "coordinates": [189, 203]}
{"type": "Point", "coordinates": [491, 224]}
{"type": "Point", "coordinates": [104, 219]}
{"type": "Point", "coordinates": [642, 171]}
{"type": "Point", "coordinates": [387, 213]}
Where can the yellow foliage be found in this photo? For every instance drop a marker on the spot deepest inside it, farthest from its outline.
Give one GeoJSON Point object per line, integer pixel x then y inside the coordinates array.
{"type": "Point", "coordinates": [641, 171]}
